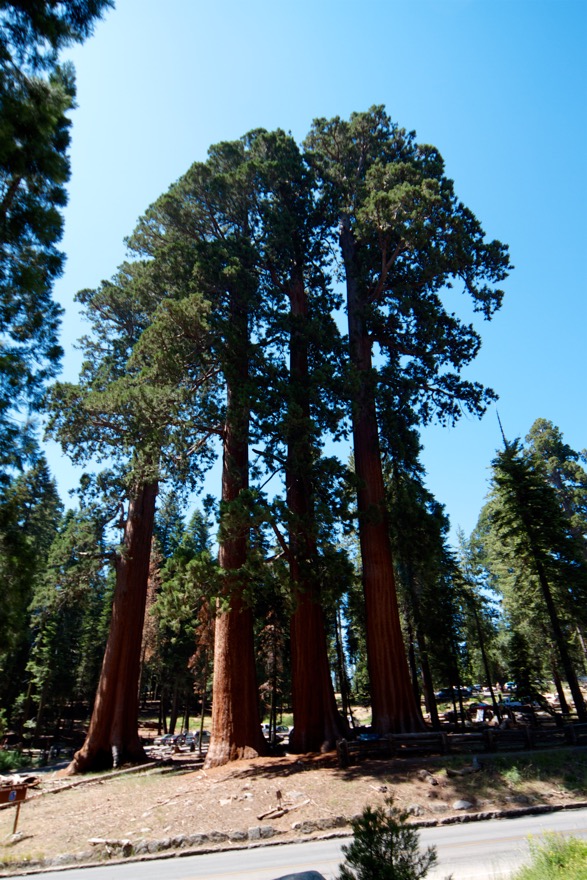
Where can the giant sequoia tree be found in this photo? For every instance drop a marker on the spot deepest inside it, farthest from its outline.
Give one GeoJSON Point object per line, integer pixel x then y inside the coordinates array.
{"type": "Point", "coordinates": [404, 239]}
{"type": "Point", "coordinates": [204, 227]}
{"type": "Point", "coordinates": [136, 402]}
{"type": "Point", "coordinates": [299, 394]}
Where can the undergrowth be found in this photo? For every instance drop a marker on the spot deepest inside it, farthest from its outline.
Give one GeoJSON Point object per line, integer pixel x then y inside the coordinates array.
{"type": "Point", "coordinates": [555, 858]}
{"type": "Point", "coordinates": [10, 761]}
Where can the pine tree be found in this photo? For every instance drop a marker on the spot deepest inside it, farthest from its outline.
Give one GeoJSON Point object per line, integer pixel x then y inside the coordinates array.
{"type": "Point", "coordinates": [30, 513]}
{"type": "Point", "coordinates": [419, 529]}
{"type": "Point", "coordinates": [385, 847]}
{"type": "Point", "coordinates": [169, 525]}
{"type": "Point", "coordinates": [36, 95]}
{"type": "Point", "coordinates": [565, 471]}
{"type": "Point", "coordinates": [66, 608]}
{"type": "Point", "coordinates": [187, 581]}
{"type": "Point", "coordinates": [534, 532]}
{"type": "Point", "coordinates": [480, 614]}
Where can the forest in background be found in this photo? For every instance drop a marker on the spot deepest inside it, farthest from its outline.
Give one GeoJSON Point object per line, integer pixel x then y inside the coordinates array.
{"type": "Point", "coordinates": [278, 299]}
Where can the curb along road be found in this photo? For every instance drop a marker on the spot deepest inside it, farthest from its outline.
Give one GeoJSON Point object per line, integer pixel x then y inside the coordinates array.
{"type": "Point", "coordinates": [167, 848]}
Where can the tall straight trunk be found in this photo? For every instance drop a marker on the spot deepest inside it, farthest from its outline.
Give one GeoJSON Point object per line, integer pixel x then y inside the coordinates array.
{"type": "Point", "coordinates": [412, 664]}
{"type": "Point", "coordinates": [427, 680]}
{"type": "Point", "coordinates": [236, 722]}
{"type": "Point", "coordinates": [559, 638]}
{"type": "Point", "coordinates": [345, 689]}
{"type": "Point", "coordinates": [538, 556]}
{"type": "Point", "coordinates": [186, 713]}
{"type": "Point", "coordinates": [484, 657]}
{"type": "Point", "coordinates": [173, 715]}
{"type": "Point", "coordinates": [161, 717]}
{"type": "Point", "coordinates": [422, 641]}
{"type": "Point", "coordinates": [560, 690]}
{"type": "Point", "coordinates": [203, 712]}
{"type": "Point", "coordinates": [393, 705]}
{"type": "Point", "coordinates": [581, 638]}
{"type": "Point", "coordinates": [113, 737]}
{"type": "Point", "coordinates": [317, 722]}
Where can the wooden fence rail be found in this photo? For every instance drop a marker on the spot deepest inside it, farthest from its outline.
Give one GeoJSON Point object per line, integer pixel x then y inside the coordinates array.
{"type": "Point", "coordinates": [489, 739]}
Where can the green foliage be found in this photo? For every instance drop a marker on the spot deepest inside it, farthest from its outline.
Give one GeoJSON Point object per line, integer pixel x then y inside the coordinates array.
{"type": "Point", "coordinates": [67, 610]}
{"type": "Point", "coordinates": [564, 469]}
{"type": "Point", "coordinates": [169, 525]}
{"type": "Point", "coordinates": [525, 547]}
{"type": "Point", "coordinates": [412, 239]}
{"type": "Point", "coordinates": [563, 768]}
{"type": "Point", "coordinates": [481, 620]}
{"type": "Point", "coordinates": [528, 546]}
{"type": "Point", "coordinates": [529, 518]}
{"type": "Point", "coordinates": [36, 95]}
{"type": "Point", "coordinates": [32, 33]}
{"type": "Point", "coordinates": [512, 775]}
{"type": "Point", "coordinates": [12, 761]}
{"type": "Point", "coordinates": [385, 847]}
{"type": "Point", "coordinates": [176, 641]}
{"type": "Point", "coordinates": [145, 377]}
{"type": "Point", "coordinates": [555, 858]}
{"type": "Point", "coordinates": [30, 511]}
{"type": "Point", "coordinates": [426, 572]}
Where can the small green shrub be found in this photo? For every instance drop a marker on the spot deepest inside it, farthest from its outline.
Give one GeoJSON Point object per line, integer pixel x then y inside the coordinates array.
{"type": "Point", "coordinates": [556, 858]}
{"type": "Point", "coordinates": [11, 761]}
{"type": "Point", "coordinates": [512, 775]}
{"type": "Point", "coordinates": [384, 847]}
{"type": "Point", "coordinates": [3, 722]}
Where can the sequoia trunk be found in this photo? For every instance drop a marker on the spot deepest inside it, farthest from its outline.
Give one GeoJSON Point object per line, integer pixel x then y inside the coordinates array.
{"type": "Point", "coordinates": [113, 737]}
{"type": "Point", "coordinates": [236, 722]}
{"type": "Point", "coordinates": [394, 708]}
{"type": "Point", "coordinates": [317, 723]}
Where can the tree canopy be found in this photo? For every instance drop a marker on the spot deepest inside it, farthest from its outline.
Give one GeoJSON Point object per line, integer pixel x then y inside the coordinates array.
{"type": "Point", "coordinates": [36, 96]}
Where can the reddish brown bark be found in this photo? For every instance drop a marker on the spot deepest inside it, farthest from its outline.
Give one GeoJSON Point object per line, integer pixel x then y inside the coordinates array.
{"type": "Point", "coordinates": [236, 722]}
{"type": "Point", "coordinates": [393, 705]}
{"type": "Point", "coordinates": [317, 722]}
{"type": "Point", "coordinates": [113, 737]}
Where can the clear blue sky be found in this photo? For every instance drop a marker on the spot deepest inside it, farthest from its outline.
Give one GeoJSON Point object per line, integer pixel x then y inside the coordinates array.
{"type": "Point", "coordinates": [499, 86]}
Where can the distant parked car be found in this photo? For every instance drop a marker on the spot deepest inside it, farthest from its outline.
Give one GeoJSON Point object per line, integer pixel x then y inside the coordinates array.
{"type": "Point", "coordinates": [510, 703]}
{"type": "Point", "coordinates": [170, 739]}
{"type": "Point", "coordinates": [280, 732]}
{"type": "Point", "coordinates": [205, 737]}
{"type": "Point", "coordinates": [444, 695]}
{"type": "Point", "coordinates": [191, 739]}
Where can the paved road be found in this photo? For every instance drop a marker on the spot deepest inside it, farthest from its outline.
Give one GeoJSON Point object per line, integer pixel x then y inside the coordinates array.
{"type": "Point", "coordinates": [469, 851]}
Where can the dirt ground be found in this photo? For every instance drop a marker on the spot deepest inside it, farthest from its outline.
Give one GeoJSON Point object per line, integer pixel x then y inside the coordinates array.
{"type": "Point", "coordinates": [178, 799]}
